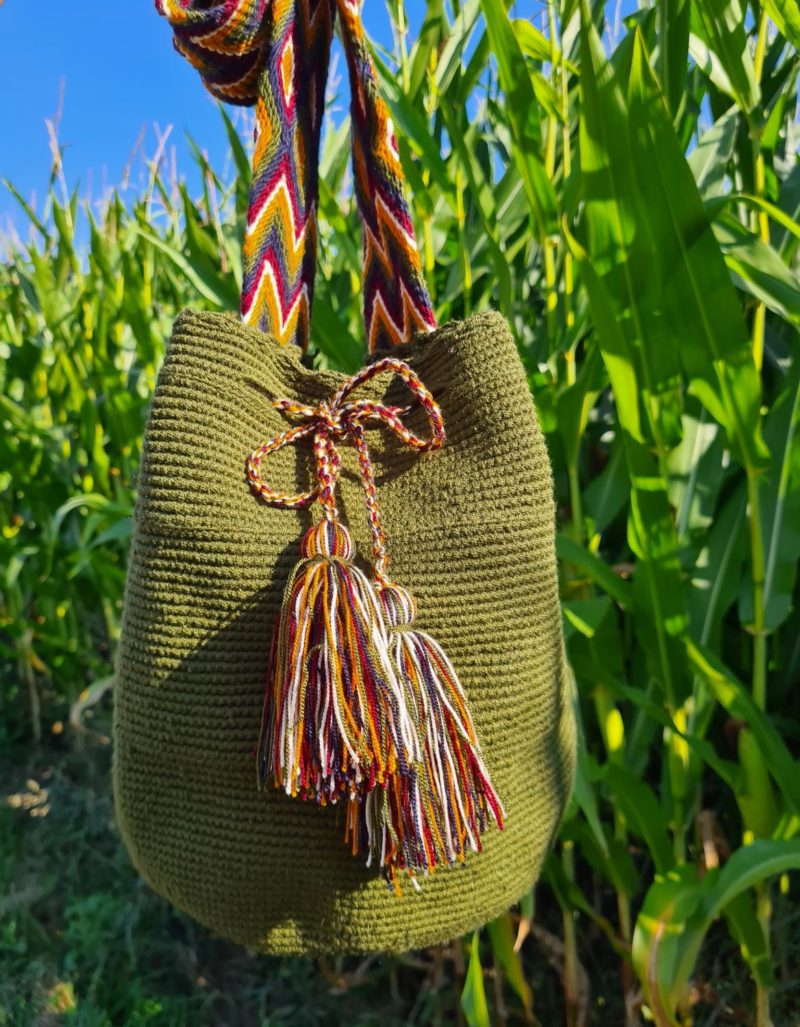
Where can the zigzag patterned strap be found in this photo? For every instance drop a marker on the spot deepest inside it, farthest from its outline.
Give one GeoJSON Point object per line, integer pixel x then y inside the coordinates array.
{"type": "Point", "coordinates": [396, 300]}
{"type": "Point", "coordinates": [280, 243]}
{"type": "Point", "coordinates": [275, 54]}
{"type": "Point", "coordinates": [272, 54]}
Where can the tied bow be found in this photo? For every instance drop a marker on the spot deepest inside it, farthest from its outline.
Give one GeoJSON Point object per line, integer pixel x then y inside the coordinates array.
{"type": "Point", "coordinates": [342, 418]}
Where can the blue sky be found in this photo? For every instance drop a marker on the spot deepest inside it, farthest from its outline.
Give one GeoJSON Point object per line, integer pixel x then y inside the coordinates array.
{"type": "Point", "coordinates": [120, 75]}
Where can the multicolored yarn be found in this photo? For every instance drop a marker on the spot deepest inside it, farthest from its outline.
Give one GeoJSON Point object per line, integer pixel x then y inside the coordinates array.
{"type": "Point", "coordinates": [447, 805]}
{"type": "Point", "coordinates": [336, 721]}
{"type": "Point", "coordinates": [280, 243]}
{"type": "Point", "coordinates": [275, 55]}
{"type": "Point", "coordinates": [282, 50]}
{"type": "Point", "coordinates": [396, 299]}
{"type": "Point", "coordinates": [227, 43]}
{"type": "Point", "coordinates": [440, 809]}
{"type": "Point", "coordinates": [339, 418]}
{"type": "Point", "coordinates": [357, 705]}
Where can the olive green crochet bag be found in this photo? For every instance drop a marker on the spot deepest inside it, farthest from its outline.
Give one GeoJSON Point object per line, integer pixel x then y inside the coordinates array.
{"type": "Point", "coordinates": [264, 643]}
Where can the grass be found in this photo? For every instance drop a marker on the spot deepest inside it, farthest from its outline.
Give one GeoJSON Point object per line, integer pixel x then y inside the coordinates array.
{"type": "Point", "coordinates": [79, 922]}
{"type": "Point", "coordinates": [83, 940]}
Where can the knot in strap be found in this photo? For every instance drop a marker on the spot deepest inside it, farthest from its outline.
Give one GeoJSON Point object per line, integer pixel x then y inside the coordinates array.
{"type": "Point", "coordinates": [340, 419]}
{"type": "Point", "coordinates": [226, 41]}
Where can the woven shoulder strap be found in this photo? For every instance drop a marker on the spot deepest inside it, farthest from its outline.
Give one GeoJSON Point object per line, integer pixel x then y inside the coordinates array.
{"type": "Point", "coordinates": [274, 54]}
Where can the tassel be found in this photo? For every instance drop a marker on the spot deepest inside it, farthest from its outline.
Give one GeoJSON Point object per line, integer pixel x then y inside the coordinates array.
{"type": "Point", "coordinates": [358, 706]}
{"type": "Point", "coordinates": [438, 811]}
{"type": "Point", "coordinates": [334, 721]}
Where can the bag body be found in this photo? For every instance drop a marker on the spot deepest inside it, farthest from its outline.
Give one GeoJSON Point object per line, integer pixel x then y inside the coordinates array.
{"type": "Point", "coordinates": [471, 531]}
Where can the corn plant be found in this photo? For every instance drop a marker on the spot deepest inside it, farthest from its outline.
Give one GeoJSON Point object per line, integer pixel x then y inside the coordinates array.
{"type": "Point", "coordinates": [627, 193]}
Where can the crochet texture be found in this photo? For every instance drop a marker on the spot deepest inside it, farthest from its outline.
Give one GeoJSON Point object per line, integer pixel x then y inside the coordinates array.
{"type": "Point", "coordinates": [471, 532]}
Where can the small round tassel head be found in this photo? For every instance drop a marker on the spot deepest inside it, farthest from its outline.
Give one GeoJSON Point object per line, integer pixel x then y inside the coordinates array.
{"type": "Point", "coordinates": [398, 606]}
{"type": "Point", "coordinates": [328, 539]}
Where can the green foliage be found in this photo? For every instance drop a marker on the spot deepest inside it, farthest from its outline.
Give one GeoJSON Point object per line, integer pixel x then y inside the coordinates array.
{"type": "Point", "coordinates": [631, 204]}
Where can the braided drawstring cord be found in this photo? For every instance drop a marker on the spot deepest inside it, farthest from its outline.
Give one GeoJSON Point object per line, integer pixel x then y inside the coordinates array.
{"type": "Point", "coordinates": [339, 419]}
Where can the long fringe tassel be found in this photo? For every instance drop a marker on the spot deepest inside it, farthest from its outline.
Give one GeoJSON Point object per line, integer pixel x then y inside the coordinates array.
{"type": "Point", "coordinates": [334, 722]}
{"type": "Point", "coordinates": [358, 706]}
{"type": "Point", "coordinates": [436, 812]}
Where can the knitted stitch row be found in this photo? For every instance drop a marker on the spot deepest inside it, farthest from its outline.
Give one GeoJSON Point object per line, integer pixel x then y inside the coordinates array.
{"type": "Point", "coordinates": [472, 537]}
